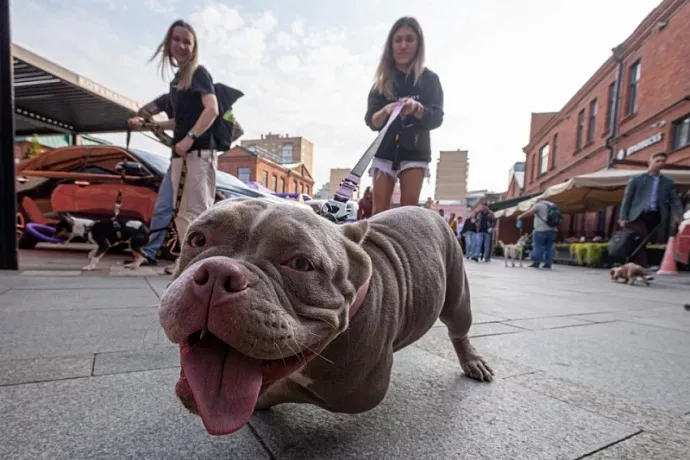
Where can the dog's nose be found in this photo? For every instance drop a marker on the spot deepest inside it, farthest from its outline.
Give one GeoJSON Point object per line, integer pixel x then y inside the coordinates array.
{"type": "Point", "coordinates": [216, 280]}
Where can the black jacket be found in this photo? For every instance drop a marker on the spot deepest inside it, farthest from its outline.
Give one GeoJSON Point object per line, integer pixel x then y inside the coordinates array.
{"type": "Point", "coordinates": [414, 141]}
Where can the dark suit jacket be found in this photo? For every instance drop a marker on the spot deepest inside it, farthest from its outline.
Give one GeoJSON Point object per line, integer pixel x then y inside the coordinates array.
{"type": "Point", "coordinates": [637, 194]}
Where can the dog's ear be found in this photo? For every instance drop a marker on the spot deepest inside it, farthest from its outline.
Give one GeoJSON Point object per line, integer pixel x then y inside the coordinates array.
{"type": "Point", "coordinates": [355, 231]}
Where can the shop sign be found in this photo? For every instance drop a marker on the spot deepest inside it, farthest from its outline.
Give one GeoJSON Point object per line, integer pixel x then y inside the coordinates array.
{"type": "Point", "coordinates": [106, 93]}
{"type": "Point", "coordinates": [655, 139]}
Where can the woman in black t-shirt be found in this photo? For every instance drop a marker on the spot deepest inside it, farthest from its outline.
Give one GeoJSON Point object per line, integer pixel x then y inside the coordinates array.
{"type": "Point", "coordinates": [194, 108]}
{"type": "Point", "coordinates": [406, 149]}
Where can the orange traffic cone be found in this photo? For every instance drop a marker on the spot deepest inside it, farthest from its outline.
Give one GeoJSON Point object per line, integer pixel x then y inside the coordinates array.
{"type": "Point", "coordinates": [668, 264]}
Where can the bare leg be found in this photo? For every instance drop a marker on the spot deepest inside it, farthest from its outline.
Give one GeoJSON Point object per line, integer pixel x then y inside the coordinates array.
{"type": "Point", "coordinates": [411, 181]}
{"type": "Point", "coordinates": [383, 192]}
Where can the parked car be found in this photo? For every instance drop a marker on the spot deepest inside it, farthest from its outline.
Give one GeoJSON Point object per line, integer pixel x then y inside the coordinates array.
{"type": "Point", "coordinates": [85, 181]}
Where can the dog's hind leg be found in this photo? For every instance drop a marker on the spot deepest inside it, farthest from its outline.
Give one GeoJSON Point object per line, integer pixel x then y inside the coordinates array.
{"type": "Point", "coordinates": [136, 245]}
{"type": "Point", "coordinates": [95, 256]}
{"type": "Point", "coordinates": [457, 316]}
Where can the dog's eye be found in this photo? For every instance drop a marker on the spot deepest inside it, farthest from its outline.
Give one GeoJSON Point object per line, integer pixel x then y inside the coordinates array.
{"type": "Point", "coordinates": [196, 240]}
{"type": "Point", "coordinates": [300, 263]}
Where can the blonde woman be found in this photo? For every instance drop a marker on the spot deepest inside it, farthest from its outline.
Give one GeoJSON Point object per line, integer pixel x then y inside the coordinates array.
{"type": "Point", "coordinates": [194, 106]}
{"type": "Point", "coordinates": [405, 153]}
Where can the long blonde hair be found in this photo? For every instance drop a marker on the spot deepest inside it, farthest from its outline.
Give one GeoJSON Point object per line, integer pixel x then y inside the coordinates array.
{"type": "Point", "coordinates": [383, 79]}
{"type": "Point", "coordinates": [186, 71]}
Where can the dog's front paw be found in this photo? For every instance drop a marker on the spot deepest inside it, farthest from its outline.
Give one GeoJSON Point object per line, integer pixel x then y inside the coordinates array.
{"type": "Point", "coordinates": [88, 268]}
{"type": "Point", "coordinates": [131, 265]}
{"type": "Point", "coordinates": [476, 368]}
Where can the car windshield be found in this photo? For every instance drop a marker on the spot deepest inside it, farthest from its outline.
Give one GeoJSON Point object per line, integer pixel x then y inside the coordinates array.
{"type": "Point", "coordinates": [228, 184]}
{"type": "Point", "coordinates": [159, 162]}
{"type": "Point", "coordinates": [224, 179]}
{"type": "Point", "coordinates": [162, 163]}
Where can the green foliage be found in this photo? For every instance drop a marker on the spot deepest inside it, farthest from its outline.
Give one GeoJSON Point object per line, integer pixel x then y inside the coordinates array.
{"type": "Point", "coordinates": [34, 147]}
{"type": "Point", "coordinates": [589, 254]}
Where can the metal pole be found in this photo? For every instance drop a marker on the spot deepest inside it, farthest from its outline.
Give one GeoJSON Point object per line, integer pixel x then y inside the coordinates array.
{"type": "Point", "coordinates": [8, 198]}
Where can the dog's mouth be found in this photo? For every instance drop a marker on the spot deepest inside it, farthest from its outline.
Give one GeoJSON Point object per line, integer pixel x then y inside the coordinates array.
{"type": "Point", "coordinates": [222, 385]}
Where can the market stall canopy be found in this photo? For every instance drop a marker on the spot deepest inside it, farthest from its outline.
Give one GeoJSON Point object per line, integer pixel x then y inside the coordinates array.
{"type": "Point", "coordinates": [50, 99]}
{"type": "Point", "coordinates": [594, 191]}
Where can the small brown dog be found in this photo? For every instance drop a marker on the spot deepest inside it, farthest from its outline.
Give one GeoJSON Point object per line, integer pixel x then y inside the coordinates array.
{"type": "Point", "coordinates": [629, 272]}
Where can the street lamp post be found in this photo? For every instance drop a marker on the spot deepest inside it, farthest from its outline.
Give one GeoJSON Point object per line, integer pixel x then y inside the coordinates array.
{"type": "Point", "coordinates": [8, 198]}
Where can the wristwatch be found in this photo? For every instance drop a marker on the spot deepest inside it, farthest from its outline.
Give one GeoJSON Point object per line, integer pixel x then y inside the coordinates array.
{"type": "Point", "coordinates": [191, 134]}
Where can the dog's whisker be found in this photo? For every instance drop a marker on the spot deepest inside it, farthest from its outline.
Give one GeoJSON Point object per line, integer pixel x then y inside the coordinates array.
{"type": "Point", "coordinates": [306, 315]}
{"type": "Point", "coordinates": [318, 354]}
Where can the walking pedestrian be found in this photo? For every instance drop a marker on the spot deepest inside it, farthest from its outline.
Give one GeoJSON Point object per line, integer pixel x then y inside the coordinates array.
{"type": "Point", "coordinates": [469, 232]}
{"type": "Point", "coordinates": [195, 108]}
{"type": "Point", "coordinates": [544, 233]}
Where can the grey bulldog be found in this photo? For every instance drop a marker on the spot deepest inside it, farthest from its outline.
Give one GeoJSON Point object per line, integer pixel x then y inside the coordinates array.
{"type": "Point", "coordinates": [274, 304]}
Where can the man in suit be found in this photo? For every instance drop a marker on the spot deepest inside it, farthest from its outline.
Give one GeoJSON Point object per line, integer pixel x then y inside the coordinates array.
{"type": "Point", "coordinates": [648, 201]}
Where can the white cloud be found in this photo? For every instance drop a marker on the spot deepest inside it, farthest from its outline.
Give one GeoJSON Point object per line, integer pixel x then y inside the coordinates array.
{"type": "Point", "coordinates": [266, 22]}
{"type": "Point", "coordinates": [161, 6]}
{"type": "Point", "coordinates": [285, 41]}
{"type": "Point", "coordinates": [309, 72]}
{"type": "Point", "coordinates": [297, 27]}
{"type": "Point", "coordinates": [288, 63]}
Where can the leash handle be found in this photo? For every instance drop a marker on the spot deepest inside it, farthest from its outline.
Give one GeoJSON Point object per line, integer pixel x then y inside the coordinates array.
{"type": "Point", "coordinates": [350, 183]}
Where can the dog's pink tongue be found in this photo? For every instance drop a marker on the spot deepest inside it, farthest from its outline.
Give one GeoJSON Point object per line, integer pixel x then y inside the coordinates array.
{"type": "Point", "coordinates": [225, 384]}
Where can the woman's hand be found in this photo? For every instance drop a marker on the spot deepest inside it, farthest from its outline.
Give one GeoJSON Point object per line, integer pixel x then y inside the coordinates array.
{"type": "Point", "coordinates": [382, 115]}
{"type": "Point", "coordinates": [412, 107]}
{"type": "Point", "coordinates": [136, 122]}
{"type": "Point", "coordinates": [389, 108]}
{"type": "Point", "coordinates": [183, 146]}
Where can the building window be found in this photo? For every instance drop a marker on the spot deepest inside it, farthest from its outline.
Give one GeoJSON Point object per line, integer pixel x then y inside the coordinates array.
{"type": "Point", "coordinates": [554, 149]}
{"type": "Point", "coordinates": [274, 183]}
{"type": "Point", "coordinates": [591, 128]}
{"type": "Point", "coordinates": [294, 186]}
{"type": "Point", "coordinates": [580, 130]}
{"type": "Point", "coordinates": [633, 80]}
{"type": "Point", "coordinates": [681, 133]}
{"type": "Point", "coordinates": [610, 107]}
{"type": "Point", "coordinates": [282, 186]}
{"type": "Point", "coordinates": [264, 178]}
{"type": "Point", "coordinates": [286, 153]}
{"type": "Point", "coordinates": [243, 174]}
{"type": "Point", "coordinates": [543, 159]}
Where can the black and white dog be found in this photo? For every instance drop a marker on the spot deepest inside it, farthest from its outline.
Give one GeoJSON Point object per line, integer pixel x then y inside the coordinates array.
{"type": "Point", "coordinates": [105, 234]}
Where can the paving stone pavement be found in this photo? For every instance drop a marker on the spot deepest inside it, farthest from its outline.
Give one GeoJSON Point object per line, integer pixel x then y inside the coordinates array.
{"type": "Point", "coordinates": [585, 369]}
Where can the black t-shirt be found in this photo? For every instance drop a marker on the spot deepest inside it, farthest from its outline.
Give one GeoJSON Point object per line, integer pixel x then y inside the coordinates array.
{"type": "Point", "coordinates": [187, 107]}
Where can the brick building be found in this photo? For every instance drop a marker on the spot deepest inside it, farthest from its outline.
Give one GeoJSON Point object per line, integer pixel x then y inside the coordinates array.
{"type": "Point", "coordinates": [637, 103]}
{"type": "Point", "coordinates": [256, 166]}
{"type": "Point", "coordinates": [288, 150]}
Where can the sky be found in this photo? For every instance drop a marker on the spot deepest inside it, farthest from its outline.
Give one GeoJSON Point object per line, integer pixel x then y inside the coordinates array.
{"type": "Point", "coordinates": [306, 66]}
